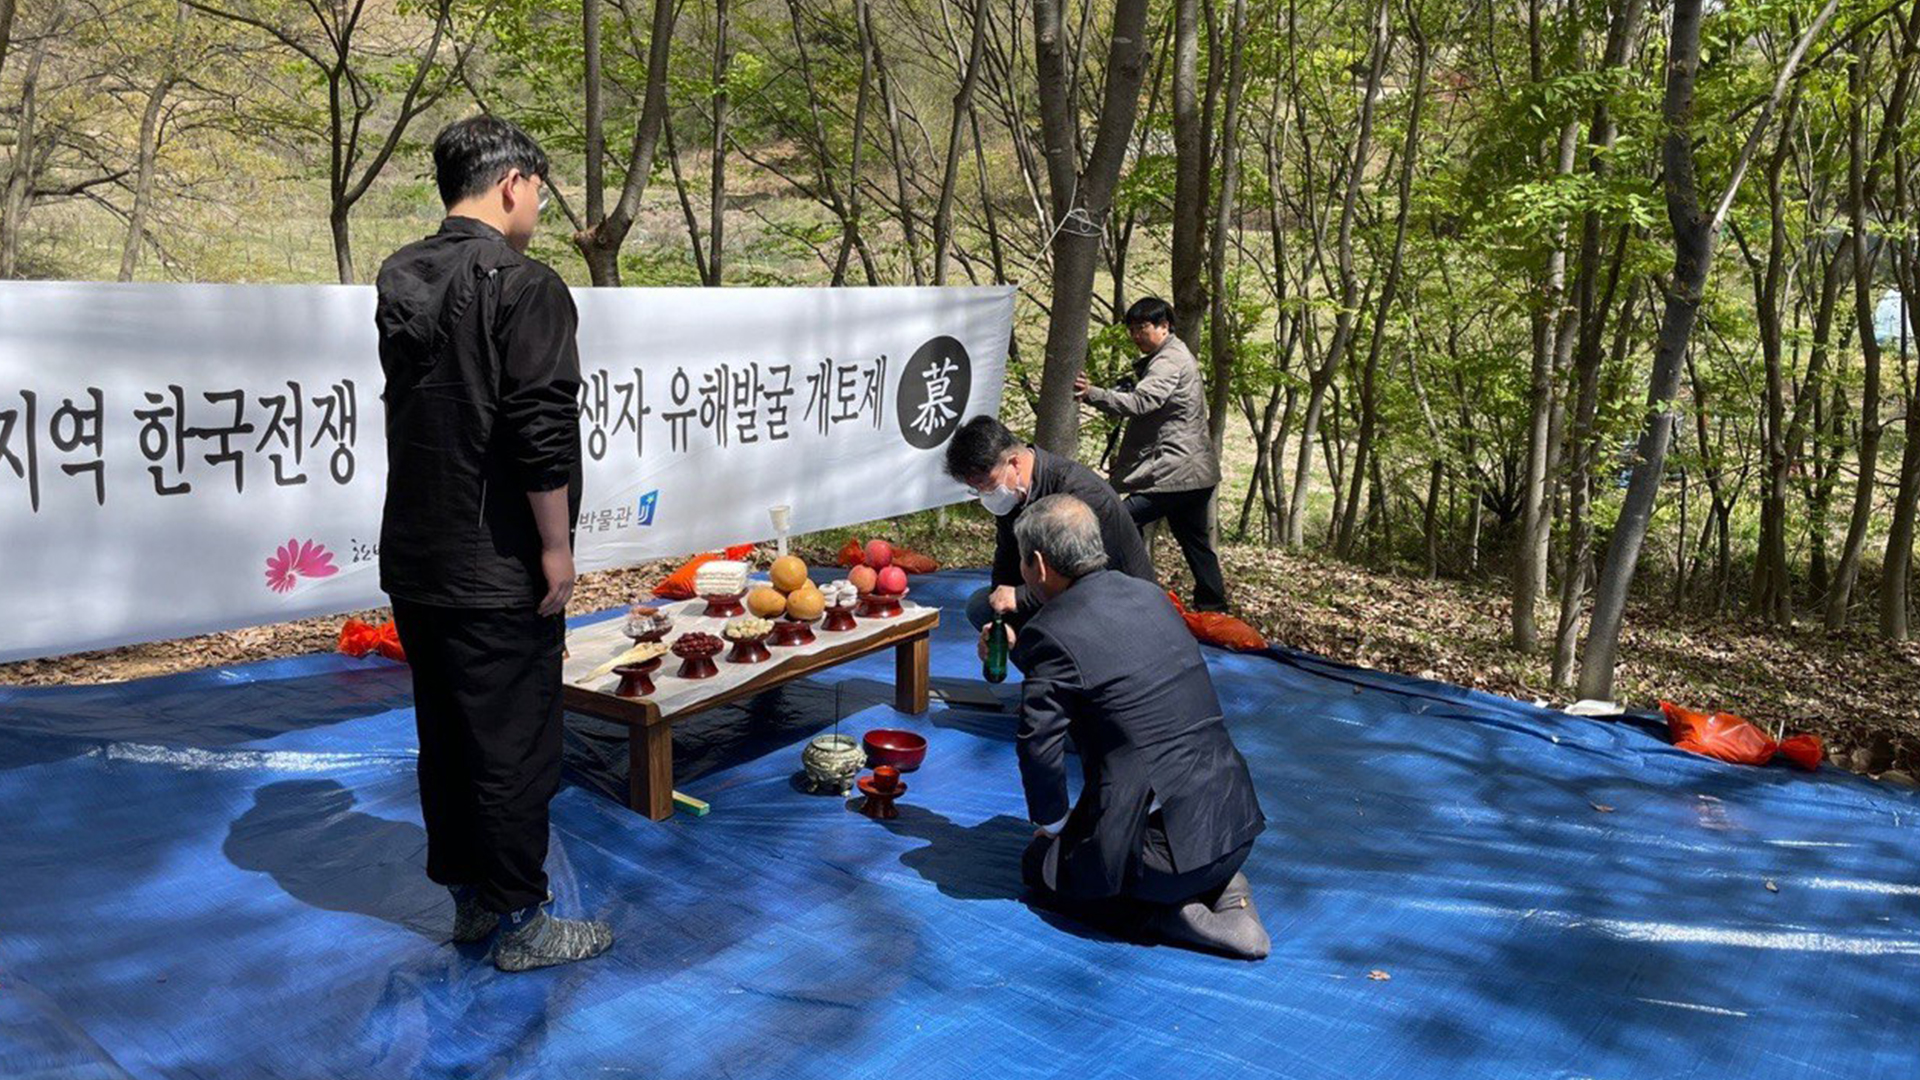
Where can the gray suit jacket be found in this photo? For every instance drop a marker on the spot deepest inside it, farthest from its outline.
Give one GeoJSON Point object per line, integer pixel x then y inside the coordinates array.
{"type": "Point", "coordinates": [1166, 446]}
{"type": "Point", "coordinates": [1111, 663]}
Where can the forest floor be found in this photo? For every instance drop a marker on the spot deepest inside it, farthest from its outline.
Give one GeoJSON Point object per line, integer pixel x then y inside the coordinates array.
{"type": "Point", "coordinates": [1858, 693]}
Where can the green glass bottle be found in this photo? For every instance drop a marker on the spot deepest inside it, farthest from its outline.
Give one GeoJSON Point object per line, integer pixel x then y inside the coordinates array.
{"type": "Point", "coordinates": [994, 668]}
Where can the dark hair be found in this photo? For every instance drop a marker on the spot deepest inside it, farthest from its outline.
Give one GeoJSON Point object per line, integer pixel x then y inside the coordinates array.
{"type": "Point", "coordinates": [977, 447]}
{"type": "Point", "coordinates": [471, 155]}
{"type": "Point", "coordinates": [1150, 309]}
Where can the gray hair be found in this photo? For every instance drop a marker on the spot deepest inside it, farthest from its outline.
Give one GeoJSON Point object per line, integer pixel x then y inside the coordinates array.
{"type": "Point", "coordinates": [1064, 529]}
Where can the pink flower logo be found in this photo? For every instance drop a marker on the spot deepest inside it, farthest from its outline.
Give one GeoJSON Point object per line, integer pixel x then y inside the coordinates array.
{"type": "Point", "coordinates": [298, 559]}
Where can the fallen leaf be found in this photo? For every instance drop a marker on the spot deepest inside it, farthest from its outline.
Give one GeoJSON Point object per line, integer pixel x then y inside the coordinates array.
{"type": "Point", "coordinates": [1602, 807]}
{"type": "Point", "coordinates": [1378, 976]}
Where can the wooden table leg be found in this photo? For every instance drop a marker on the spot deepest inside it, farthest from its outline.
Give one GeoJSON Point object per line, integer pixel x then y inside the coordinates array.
{"type": "Point", "coordinates": [650, 769]}
{"type": "Point", "coordinates": [910, 673]}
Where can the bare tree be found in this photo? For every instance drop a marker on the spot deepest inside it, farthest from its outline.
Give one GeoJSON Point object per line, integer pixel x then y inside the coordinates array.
{"type": "Point", "coordinates": [360, 140]}
{"type": "Point", "coordinates": [1694, 230]}
{"type": "Point", "coordinates": [1079, 193]}
{"type": "Point", "coordinates": [604, 231]}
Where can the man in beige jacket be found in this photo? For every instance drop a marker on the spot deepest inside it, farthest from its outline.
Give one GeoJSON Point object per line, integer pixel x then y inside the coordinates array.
{"type": "Point", "coordinates": [1166, 467]}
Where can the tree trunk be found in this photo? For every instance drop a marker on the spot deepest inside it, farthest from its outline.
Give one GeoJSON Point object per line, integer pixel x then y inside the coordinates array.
{"type": "Point", "coordinates": [342, 240]}
{"type": "Point", "coordinates": [1772, 597]}
{"type": "Point", "coordinates": [143, 178]}
{"type": "Point", "coordinates": [6, 31]}
{"type": "Point", "coordinates": [1369, 399]}
{"type": "Point", "coordinates": [596, 113]}
{"type": "Point", "coordinates": [1551, 344]}
{"type": "Point", "coordinates": [18, 194]}
{"type": "Point", "coordinates": [717, 185]}
{"type": "Point", "coordinates": [1848, 571]}
{"type": "Point", "coordinates": [1190, 172]}
{"type": "Point", "coordinates": [600, 241]}
{"type": "Point", "coordinates": [1080, 197]}
{"type": "Point", "coordinates": [1693, 232]}
{"type": "Point", "coordinates": [1220, 338]}
{"type": "Point", "coordinates": [962, 110]}
{"type": "Point", "coordinates": [1321, 378]}
{"type": "Point", "coordinates": [1896, 567]}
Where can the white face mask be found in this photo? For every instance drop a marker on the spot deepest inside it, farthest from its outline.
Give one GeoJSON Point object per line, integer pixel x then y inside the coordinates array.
{"type": "Point", "coordinates": [1001, 501]}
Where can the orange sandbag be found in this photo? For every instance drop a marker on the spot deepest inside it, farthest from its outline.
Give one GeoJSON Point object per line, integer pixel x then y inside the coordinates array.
{"type": "Point", "coordinates": [357, 638]}
{"type": "Point", "coordinates": [853, 553]}
{"type": "Point", "coordinates": [1723, 736]}
{"type": "Point", "coordinates": [1223, 630]}
{"type": "Point", "coordinates": [388, 643]}
{"type": "Point", "coordinates": [679, 584]}
{"type": "Point", "coordinates": [1803, 750]}
{"type": "Point", "coordinates": [913, 562]}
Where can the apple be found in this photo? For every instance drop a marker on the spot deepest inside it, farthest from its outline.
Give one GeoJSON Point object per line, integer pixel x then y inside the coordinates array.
{"type": "Point", "coordinates": [893, 581]}
{"type": "Point", "coordinates": [879, 554]}
{"type": "Point", "coordinates": [864, 578]}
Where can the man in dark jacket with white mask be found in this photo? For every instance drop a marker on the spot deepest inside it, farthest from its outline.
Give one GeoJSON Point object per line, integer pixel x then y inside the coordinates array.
{"type": "Point", "coordinates": [1167, 812]}
{"type": "Point", "coordinates": [476, 544]}
{"type": "Point", "coordinates": [1007, 474]}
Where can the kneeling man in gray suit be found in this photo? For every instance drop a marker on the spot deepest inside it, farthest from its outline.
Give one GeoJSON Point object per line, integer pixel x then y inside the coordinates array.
{"type": "Point", "coordinates": [1167, 813]}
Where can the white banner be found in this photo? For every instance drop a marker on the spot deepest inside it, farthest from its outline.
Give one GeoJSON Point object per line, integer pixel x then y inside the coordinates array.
{"type": "Point", "coordinates": [178, 459]}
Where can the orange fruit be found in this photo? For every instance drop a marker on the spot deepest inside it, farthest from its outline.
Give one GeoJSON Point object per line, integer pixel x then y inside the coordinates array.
{"type": "Point", "coordinates": [767, 603]}
{"type": "Point", "coordinates": [788, 573]}
{"type": "Point", "coordinates": [806, 604]}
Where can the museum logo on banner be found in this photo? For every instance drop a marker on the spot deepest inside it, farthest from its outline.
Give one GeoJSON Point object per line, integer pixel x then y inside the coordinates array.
{"type": "Point", "coordinates": [933, 392]}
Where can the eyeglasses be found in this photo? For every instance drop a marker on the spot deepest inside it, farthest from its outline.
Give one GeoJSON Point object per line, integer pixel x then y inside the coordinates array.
{"type": "Point", "coordinates": [543, 197]}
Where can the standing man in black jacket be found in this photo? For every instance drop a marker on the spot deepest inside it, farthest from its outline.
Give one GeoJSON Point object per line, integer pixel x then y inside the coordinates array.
{"type": "Point", "coordinates": [476, 545]}
{"type": "Point", "coordinates": [1167, 811]}
{"type": "Point", "coordinates": [1007, 474]}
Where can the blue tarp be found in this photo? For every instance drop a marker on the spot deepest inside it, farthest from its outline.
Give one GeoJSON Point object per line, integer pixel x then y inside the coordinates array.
{"type": "Point", "coordinates": [220, 874]}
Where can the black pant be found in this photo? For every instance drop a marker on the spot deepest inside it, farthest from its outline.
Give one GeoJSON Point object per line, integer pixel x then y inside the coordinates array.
{"type": "Point", "coordinates": [1186, 514]}
{"type": "Point", "coordinates": [1153, 883]}
{"type": "Point", "coordinates": [486, 700]}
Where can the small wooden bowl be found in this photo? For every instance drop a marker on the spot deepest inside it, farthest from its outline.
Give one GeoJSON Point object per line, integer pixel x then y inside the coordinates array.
{"type": "Point", "coordinates": [751, 650]}
{"type": "Point", "coordinates": [879, 605]}
{"type": "Point", "coordinates": [790, 632]}
{"type": "Point", "coordinates": [724, 607]}
{"type": "Point", "coordinates": [839, 619]}
{"type": "Point", "coordinates": [636, 680]}
{"type": "Point", "coordinates": [903, 750]}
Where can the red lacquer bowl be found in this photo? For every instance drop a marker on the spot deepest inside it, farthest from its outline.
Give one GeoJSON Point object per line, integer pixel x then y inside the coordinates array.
{"type": "Point", "coordinates": [903, 750]}
{"type": "Point", "coordinates": [879, 605]}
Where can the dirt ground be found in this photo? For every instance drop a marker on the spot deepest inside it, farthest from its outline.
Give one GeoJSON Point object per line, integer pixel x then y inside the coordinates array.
{"type": "Point", "coordinates": [1859, 693]}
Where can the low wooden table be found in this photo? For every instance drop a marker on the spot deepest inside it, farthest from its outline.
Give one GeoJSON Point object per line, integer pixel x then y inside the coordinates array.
{"type": "Point", "coordinates": [650, 742]}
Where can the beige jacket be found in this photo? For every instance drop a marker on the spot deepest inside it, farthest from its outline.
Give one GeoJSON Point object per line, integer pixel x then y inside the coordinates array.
{"type": "Point", "coordinates": [1165, 446]}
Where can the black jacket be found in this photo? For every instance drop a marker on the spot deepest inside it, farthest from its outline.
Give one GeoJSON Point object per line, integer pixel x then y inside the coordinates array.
{"type": "Point", "coordinates": [1111, 663]}
{"type": "Point", "coordinates": [1054, 475]}
{"type": "Point", "coordinates": [482, 385]}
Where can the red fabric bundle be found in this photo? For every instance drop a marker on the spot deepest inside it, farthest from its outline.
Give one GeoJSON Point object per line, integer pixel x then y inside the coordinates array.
{"type": "Point", "coordinates": [1219, 629]}
{"type": "Point", "coordinates": [913, 562]}
{"type": "Point", "coordinates": [1803, 750]}
{"type": "Point", "coordinates": [359, 639]}
{"type": "Point", "coordinates": [388, 643]}
{"type": "Point", "coordinates": [853, 553]}
{"type": "Point", "coordinates": [679, 584]}
{"type": "Point", "coordinates": [1729, 738]}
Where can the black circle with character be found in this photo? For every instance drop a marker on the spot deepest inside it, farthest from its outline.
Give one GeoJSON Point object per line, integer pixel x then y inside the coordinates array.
{"type": "Point", "coordinates": [933, 392]}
